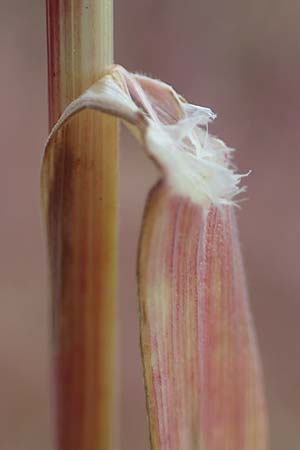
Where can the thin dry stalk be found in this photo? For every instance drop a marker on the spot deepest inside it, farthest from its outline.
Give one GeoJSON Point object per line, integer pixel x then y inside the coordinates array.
{"type": "Point", "coordinates": [79, 190]}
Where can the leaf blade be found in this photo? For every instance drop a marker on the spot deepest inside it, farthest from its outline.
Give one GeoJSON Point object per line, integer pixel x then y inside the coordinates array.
{"type": "Point", "coordinates": [200, 359]}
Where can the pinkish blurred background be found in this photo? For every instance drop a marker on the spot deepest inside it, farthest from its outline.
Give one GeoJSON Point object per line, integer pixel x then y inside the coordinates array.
{"type": "Point", "coordinates": [240, 58]}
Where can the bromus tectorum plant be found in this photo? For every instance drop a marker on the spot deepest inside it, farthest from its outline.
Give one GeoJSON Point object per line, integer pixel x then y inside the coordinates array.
{"type": "Point", "coordinates": [201, 367]}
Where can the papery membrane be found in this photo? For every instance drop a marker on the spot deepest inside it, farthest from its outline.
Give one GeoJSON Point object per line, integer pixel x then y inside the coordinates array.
{"type": "Point", "coordinates": [194, 163]}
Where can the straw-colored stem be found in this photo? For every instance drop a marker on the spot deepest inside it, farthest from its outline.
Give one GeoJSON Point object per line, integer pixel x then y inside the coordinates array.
{"type": "Point", "coordinates": [79, 188]}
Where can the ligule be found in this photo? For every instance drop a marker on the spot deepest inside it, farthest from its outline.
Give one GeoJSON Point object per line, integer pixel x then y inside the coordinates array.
{"type": "Point", "coordinates": [202, 374]}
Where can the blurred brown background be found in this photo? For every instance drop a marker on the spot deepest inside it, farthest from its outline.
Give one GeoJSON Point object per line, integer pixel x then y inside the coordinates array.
{"type": "Point", "coordinates": [242, 59]}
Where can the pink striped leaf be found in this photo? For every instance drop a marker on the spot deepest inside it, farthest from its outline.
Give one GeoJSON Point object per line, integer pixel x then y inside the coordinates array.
{"type": "Point", "coordinates": [202, 373]}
